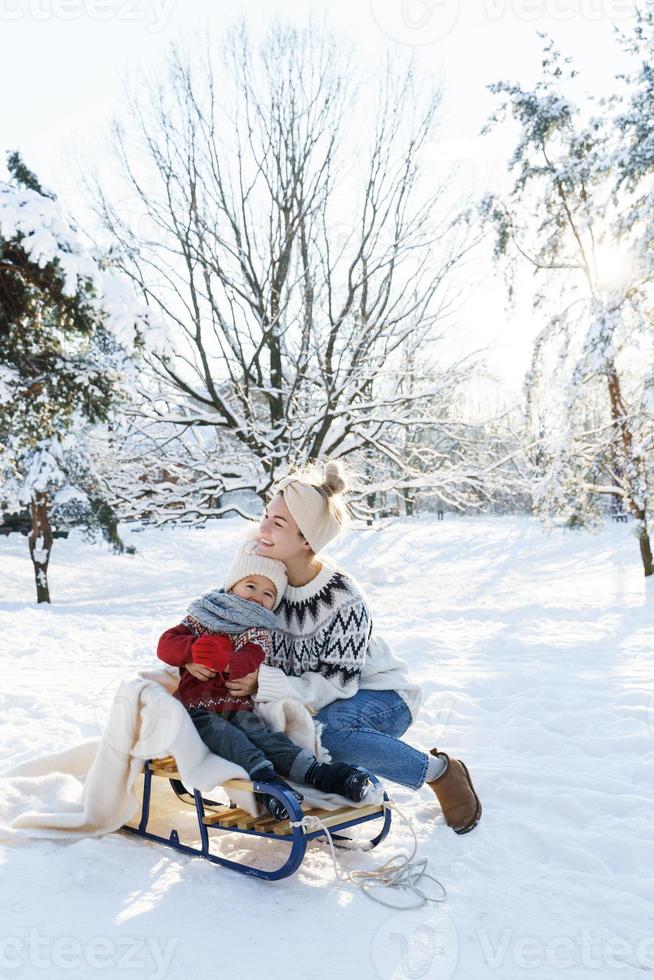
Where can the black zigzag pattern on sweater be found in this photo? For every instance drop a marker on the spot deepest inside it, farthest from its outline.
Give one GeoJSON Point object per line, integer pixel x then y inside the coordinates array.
{"type": "Point", "coordinates": [336, 649]}
{"type": "Point", "coordinates": [296, 657]}
{"type": "Point", "coordinates": [302, 616]}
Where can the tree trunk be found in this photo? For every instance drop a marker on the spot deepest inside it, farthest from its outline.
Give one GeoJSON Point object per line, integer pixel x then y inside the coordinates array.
{"type": "Point", "coordinates": [645, 550]}
{"type": "Point", "coordinates": [40, 542]}
{"type": "Point", "coordinates": [371, 499]}
{"type": "Point", "coordinates": [619, 415]}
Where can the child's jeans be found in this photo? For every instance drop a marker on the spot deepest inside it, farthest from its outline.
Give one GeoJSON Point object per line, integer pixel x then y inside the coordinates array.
{"type": "Point", "coordinates": [241, 737]}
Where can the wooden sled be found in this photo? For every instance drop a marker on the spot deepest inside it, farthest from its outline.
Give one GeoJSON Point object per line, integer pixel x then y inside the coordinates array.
{"type": "Point", "coordinates": [213, 816]}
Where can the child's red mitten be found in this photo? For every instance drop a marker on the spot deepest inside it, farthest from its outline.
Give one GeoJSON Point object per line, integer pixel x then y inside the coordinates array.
{"type": "Point", "coordinates": [212, 651]}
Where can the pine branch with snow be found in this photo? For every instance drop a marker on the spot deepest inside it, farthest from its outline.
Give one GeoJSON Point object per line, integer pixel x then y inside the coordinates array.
{"type": "Point", "coordinates": [68, 324]}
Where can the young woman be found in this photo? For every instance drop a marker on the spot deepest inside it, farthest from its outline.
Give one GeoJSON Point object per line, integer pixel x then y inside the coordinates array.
{"type": "Point", "coordinates": [324, 653]}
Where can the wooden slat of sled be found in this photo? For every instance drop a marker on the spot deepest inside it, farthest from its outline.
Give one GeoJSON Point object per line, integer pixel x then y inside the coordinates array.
{"type": "Point", "coordinates": [268, 824]}
{"type": "Point", "coordinates": [230, 818]}
{"type": "Point", "coordinates": [225, 816]}
{"type": "Point", "coordinates": [264, 822]}
{"type": "Point", "coordinates": [236, 817]}
{"type": "Point", "coordinates": [167, 766]}
{"type": "Point", "coordinates": [331, 817]}
{"type": "Point", "coordinates": [167, 773]}
{"type": "Point", "coordinates": [246, 822]}
{"type": "Point", "coordinates": [241, 819]}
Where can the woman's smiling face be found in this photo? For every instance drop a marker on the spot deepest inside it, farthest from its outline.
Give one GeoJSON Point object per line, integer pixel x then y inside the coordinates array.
{"type": "Point", "coordinates": [279, 536]}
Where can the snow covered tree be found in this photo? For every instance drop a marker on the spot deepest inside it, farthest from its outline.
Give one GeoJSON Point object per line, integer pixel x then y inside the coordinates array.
{"type": "Point", "coordinates": [168, 476]}
{"type": "Point", "coordinates": [65, 324]}
{"type": "Point", "coordinates": [447, 453]}
{"type": "Point", "coordinates": [291, 242]}
{"type": "Point", "coordinates": [587, 388]}
{"type": "Point", "coordinates": [633, 188]}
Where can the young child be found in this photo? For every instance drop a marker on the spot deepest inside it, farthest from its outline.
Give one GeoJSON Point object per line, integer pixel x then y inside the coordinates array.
{"type": "Point", "coordinates": [227, 634]}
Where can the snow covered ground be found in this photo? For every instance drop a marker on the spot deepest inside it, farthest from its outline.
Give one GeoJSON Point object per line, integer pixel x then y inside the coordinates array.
{"type": "Point", "coordinates": [535, 654]}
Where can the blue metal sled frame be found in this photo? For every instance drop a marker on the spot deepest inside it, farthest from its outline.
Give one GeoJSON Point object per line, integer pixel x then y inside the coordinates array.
{"type": "Point", "coordinates": [216, 816]}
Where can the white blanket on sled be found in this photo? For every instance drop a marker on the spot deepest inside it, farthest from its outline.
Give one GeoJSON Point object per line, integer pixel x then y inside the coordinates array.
{"type": "Point", "coordinates": [90, 789]}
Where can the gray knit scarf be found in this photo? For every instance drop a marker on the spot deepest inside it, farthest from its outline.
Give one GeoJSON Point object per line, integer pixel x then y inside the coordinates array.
{"type": "Point", "coordinates": [224, 613]}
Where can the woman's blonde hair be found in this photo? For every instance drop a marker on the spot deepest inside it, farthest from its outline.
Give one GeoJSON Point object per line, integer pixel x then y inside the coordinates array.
{"type": "Point", "coordinates": [332, 481]}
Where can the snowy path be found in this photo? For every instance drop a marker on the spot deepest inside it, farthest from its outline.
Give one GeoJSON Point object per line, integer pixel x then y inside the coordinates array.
{"type": "Point", "coordinates": [535, 654]}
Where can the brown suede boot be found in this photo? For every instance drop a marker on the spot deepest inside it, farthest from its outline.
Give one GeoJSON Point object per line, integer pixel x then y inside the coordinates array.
{"type": "Point", "coordinates": [456, 795]}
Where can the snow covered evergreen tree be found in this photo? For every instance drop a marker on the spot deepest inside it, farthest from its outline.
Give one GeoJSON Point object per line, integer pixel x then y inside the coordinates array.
{"type": "Point", "coordinates": [589, 385]}
{"type": "Point", "coordinates": [66, 322]}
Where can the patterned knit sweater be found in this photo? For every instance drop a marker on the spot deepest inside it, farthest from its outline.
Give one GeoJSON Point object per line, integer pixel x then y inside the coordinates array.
{"type": "Point", "coordinates": [323, 647]}
{"type": "Point", "coordinates": [249, 649]}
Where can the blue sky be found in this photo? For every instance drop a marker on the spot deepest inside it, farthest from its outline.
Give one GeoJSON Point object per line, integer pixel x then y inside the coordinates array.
{"type": "Point", "coordinates": [64, 63]}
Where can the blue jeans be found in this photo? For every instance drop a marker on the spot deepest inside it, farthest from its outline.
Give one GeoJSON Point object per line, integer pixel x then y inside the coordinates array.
{"type": "Point", "coordinates": [241, 737]}
{"type": "Point", "coordinates": [364, 730]}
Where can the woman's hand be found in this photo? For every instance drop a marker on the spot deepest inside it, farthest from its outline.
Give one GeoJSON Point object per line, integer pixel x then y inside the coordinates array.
{"type": "Point", "coordinates": [197, 670]}
{"type": "Point", "coordinates": [248, 684]}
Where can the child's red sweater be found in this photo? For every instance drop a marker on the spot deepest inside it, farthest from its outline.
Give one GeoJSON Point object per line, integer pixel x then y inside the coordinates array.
{"type": "Point", "coordinates": [175, 647]}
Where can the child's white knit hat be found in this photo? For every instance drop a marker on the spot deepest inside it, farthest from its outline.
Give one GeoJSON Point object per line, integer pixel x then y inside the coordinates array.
{"type": "Point", "coordinates": [249, 563]}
